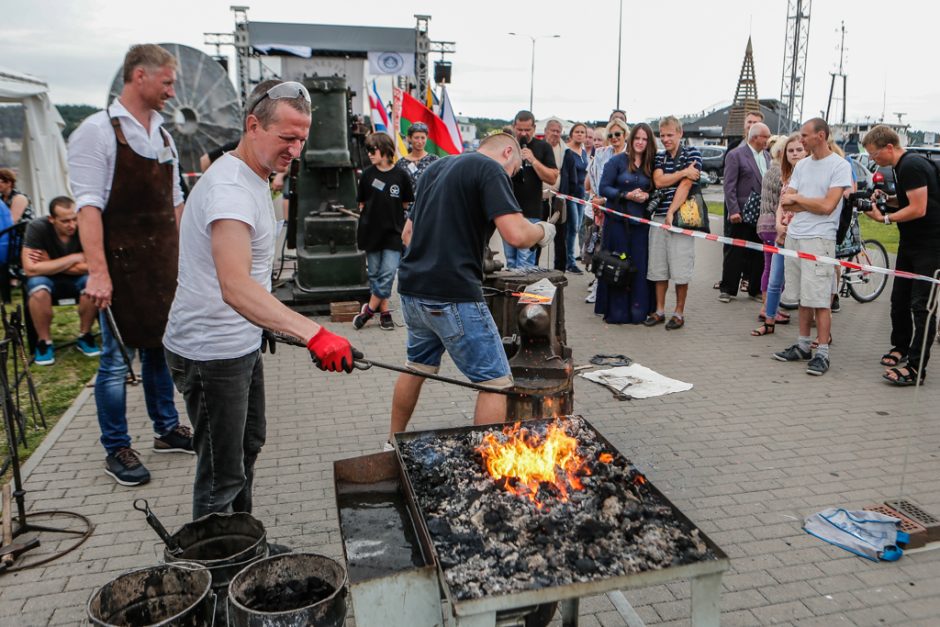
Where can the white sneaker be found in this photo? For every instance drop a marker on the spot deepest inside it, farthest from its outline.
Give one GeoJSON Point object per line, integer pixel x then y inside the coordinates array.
{"type": "Point", "coordinates": [592, 297]}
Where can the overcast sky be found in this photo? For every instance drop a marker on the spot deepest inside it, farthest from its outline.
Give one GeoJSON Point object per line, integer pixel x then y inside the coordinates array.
{"type": "Point", "coordinates": [679, 57]}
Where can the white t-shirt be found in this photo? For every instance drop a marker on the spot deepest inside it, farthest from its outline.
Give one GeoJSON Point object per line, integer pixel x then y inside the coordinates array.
{"type": "Point", "coordinates": [201, 326]}
{"type": "Point", "coordinates": [93, 151]}
{"type": "Point", "coordinates": [813, 178]}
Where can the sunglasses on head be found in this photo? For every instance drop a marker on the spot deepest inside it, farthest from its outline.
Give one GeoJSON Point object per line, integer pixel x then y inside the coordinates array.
{"type": "Point", "coordinates": [290, 89]}
{"type": "Point", "coordinates": [616, 134]}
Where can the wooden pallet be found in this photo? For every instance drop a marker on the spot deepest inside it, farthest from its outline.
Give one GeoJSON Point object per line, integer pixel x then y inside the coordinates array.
{"type": "Point", "coordinates": [344, 311]}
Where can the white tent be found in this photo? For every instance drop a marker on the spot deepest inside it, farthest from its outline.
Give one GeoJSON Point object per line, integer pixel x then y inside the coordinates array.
{"type": "Point", "coordinates": [43, 171]}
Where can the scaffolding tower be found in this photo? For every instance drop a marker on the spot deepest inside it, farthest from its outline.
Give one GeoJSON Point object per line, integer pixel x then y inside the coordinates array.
{"type": "Point", "coordinates": [745, 96]}
{"type": "Point", "coordinates": [796, 48]}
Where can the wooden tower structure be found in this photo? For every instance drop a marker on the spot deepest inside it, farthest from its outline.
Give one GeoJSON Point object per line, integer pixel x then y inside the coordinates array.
{"type": "Point", "coordinates": [745, 96]}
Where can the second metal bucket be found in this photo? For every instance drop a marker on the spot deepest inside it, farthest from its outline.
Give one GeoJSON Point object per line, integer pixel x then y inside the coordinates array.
{"type": "Point", "coordinates": [290, 590]}
{"type": "Point", "coordinates": [224, 544]}
{"type": "Point", "coordinates": [166, 595]}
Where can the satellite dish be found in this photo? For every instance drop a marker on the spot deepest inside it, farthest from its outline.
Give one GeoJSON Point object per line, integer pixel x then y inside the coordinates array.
{"type": "Point", "coordinates": [206, 112]}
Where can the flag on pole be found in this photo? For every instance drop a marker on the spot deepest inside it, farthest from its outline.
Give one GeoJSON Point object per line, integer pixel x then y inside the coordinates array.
{"type": "Point", "coordinates": [439, 139]}
{"type": "Point", "coordinates": [450, 119]}
{"type": "Point", "coordinates": [380, 122]}
{"type": "Point", "coordinates": [400, 148]}
{"type": "Point", "coordinates": [429, 98]}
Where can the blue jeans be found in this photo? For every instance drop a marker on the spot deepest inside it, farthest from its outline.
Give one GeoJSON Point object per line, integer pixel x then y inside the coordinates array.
{"type": "Point", "coordinates": [382, 266]}
{"type": "Point", "coordinates": [111, 393]}
{"type": "Point", "coordinates": [774, 287]}
{"type": "Point", "coordinates": [519, 257]}
{"type": "Point", "coordinates": [575, 218]}
{"type": "Point", "coordinates": [465, 330]}
{"type": "Point", "coordinates": [225, 402]}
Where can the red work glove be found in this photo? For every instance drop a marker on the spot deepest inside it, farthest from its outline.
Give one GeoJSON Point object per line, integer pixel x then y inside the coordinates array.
{"type": "Point", "coordinates": [332, 352]}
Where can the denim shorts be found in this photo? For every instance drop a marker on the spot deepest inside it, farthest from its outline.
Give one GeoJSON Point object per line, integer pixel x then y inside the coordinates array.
{"type": "Point", "coordinates": [465, 330]}
{"type": "Point", "coordinates": [59, 285]}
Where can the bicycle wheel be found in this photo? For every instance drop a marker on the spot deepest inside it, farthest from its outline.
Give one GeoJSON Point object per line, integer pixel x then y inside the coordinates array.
{"type": "Point", "coordinates": [863, 285]}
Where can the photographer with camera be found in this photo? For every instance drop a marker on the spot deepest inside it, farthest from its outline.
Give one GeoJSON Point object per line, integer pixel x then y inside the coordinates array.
{"type": "Point", "coordinates": [538, 166]}
{"type": "Point", "coordinates": [916, 210]}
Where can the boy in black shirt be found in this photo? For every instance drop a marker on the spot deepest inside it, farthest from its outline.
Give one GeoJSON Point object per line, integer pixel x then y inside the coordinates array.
{"type": "Point", "coordinates": [384, 195]}
{"type": "Point", "coordinates": [918, 219]}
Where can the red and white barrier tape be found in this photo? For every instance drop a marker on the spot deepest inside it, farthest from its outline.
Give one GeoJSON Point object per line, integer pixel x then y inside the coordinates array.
{"type": "Point", "coordinates": [767, 248]}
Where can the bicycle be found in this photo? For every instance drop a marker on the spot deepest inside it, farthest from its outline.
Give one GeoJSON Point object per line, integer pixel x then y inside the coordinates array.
{"type": "Point", "coordinates": [862, 285]}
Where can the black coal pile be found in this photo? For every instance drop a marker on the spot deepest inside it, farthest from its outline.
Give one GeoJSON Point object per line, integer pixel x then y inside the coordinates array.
{"type": "Point", "coordinates": [491, 541]}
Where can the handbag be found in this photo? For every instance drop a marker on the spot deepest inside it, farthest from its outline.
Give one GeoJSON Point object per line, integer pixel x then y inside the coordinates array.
{"type": "Point", "coordinates": [614, 269]}
{"type": "Point", "coordinates": [692, 214]}
{"type": "Point", "coordinates": [750, 212]}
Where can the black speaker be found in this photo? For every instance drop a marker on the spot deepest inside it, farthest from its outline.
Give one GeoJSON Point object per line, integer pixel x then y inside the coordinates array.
{"type": "Point", "coordinates": [442, 71]}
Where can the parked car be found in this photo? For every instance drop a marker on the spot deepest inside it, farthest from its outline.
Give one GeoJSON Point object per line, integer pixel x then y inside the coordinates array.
{"type": "Point", "coordinates": [862, 175]}
{"type": "Point", "coordinates": [864, 162]}
{"type": "Point", "coordinates": [931, 152]}
{"type": "Point", "coordinates": [713, 160]}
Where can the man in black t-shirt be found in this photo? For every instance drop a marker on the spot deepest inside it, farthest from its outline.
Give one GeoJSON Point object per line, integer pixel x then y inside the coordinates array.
{"type": "Point", "coordinates": [55, 266]}
{"type": "Point", "coordinates": [440, 278]}
{"type": "Point", "coordinates": [538, 166]}
{"type": "Point", "coordinates": [918, 218]}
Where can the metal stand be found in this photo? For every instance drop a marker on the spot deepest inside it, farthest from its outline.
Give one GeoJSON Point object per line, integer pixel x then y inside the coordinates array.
{"type": "Point", "coordinates": [9, 553]}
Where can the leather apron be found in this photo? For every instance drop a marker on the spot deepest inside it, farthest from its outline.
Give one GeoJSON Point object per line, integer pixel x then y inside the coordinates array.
{"type": "Point", "coordinates": [141, 243]}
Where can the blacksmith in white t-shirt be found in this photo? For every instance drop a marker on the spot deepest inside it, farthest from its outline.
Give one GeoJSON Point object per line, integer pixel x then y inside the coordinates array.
{"type": "Point", "coordinates": [814, 195]}
{"type": "Point", "coordinates": [223, 300]}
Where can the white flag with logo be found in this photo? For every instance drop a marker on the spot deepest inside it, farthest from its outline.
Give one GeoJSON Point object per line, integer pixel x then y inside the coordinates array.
{"type": "Point", "coordinates": [397, 63]}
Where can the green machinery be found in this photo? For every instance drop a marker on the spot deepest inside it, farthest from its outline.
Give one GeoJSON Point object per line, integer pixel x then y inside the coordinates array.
{"type": "Point", "coordinates": [322, 212]}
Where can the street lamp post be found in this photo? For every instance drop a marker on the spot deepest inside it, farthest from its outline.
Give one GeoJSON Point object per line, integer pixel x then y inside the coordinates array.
{"type": "Point", "coordinates": [532, 71]}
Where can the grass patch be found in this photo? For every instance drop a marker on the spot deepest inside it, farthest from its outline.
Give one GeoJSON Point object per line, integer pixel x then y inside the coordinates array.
{"type": "Point", "coordinates": [887, 234]}
{"type": "Point", "coordinates": [57, 386]}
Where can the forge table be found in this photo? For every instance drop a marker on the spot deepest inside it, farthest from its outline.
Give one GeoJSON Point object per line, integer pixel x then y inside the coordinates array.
{"type": "Point", "coordinates": [704, 575]}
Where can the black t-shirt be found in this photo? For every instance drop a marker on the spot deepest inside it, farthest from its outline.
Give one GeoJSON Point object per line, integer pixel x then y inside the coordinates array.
{"type": "Point", "coordinates": [526, 184]}
{"type": "Point", "coordinates": [383, 216]}
{"type": "Point", "coordinates": [913, 172]}
{"type": "Point", "coordinates": [460, 197]}
{"type": "Point", "coordinates": [41, 235]}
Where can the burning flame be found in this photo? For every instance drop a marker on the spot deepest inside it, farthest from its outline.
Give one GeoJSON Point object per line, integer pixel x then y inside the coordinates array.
{"type": "Point", "coordinates": [605, 458]}
{"type": "Point", "coordinates": [525, 460]}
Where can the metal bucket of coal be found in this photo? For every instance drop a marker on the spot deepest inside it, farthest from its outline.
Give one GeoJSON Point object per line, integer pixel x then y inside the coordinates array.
{"type": "Point", "coordinates": [169, 594]}
{"type": "Point", "coordinates": [289, 590]}
{"type": "Point", "coordinates": [222, 543]}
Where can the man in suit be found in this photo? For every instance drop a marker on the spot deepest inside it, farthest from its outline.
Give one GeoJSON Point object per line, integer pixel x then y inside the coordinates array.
{"type": "Point", "coordinates": [744, 170]}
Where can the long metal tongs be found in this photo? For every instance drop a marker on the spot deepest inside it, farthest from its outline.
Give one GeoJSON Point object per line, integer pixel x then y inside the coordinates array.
{"type": "Point", "coordinates": [271, 338]}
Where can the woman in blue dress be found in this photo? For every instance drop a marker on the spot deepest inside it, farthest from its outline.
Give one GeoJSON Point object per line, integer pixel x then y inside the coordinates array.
{"type": "Point", "coordinates": [626, 182]}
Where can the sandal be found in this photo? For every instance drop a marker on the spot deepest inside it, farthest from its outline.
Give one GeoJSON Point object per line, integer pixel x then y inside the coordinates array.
{"type": "Point", "coordinates": [903, 379]}
{"type": "Point", "coordinates": [893, 358]}
{"type": "Point", "coordinates": [762, 330]}
{"type": "Point", "coordinates": [653, 319]}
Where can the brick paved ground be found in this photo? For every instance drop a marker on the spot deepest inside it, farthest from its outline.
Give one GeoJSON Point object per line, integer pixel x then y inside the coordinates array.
{"type": "Point", "coordinates": [752, 449]}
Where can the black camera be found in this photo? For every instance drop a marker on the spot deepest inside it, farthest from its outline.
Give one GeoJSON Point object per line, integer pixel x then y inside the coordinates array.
{"type": "Point", "coordinates": [655, 199]}
{"type": "Point", "coordinates": [862, 201]}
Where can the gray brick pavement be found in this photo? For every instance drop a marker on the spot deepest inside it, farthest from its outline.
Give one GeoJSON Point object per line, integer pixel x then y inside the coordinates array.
{"type": "Point", "coordinates": [754, 447]}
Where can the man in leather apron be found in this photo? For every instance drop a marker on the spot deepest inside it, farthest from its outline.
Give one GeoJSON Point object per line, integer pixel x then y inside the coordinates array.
{"type": "Point", "coordinates": [124, 171]}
